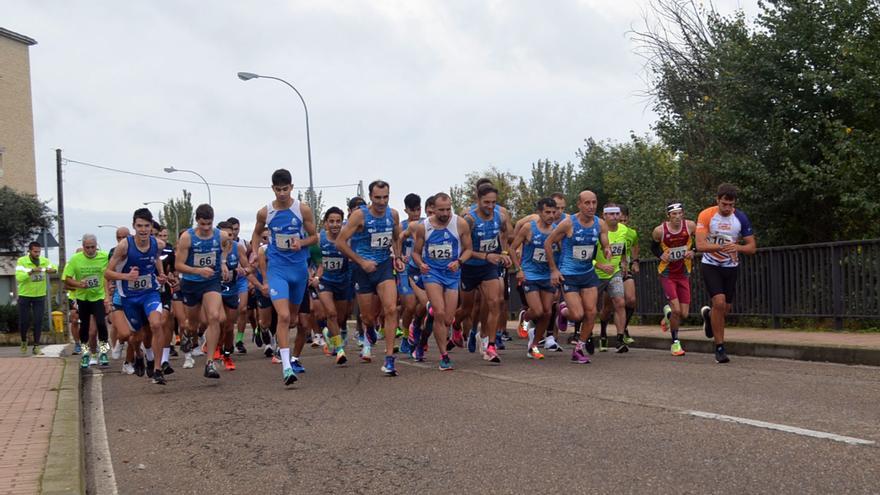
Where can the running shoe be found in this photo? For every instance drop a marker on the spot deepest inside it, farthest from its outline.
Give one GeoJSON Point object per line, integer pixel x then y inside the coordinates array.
{"type": "Point", "coordinates": [116, 353]}
{"type": "Point", "coordinates": [664, 323]}
{"type": "Point", "coordinates": [211, 371]}
{"type": "Point", "coordinates": [127, 368]}
{"type": "Point", "coordinates": [24, 347]}
{"type": "Point", "coordinates": [603, 344]}
{"type": "Point", "coordinates": [93, 360]}
{"type": "Point", "coordinates": [371, 336]}
{"type": "Point", "coordinates": [405, 346]}
{"type": "Point", "coordinates": [150, 365]}
{"type": "Point", "coordinates": [217, 354]}
{"type": "Point", "coordinates": [83, 362]}
{"type": "Point", "coordinates": [228, 363]}
{"type": "Point", "coordinates": [266, 336]}
{"type": "Point", "coordinates": [258, 338]}
{"type": "Point", "coordinates": [499, 341]}
{"type": "Point", "coordinates": [551, 345]}
{"type": "Point", "coordinates": [522, 328]}
{"type": "Point", "coordinates": [360, 340]}
{"type": "Point", "coordinates": [297, 366]}
{"type": "Point", "coordinates": [276, 359]}
{"type": "Point", "coordinates": [491, 355]}
{"type": "Point", "coordinates": [367, 354]}
{"type": "Point", "coordinates": [288, 376]}
{"type": "Point", "coordinates": [627, 339]}
{"type": "Point", "coordinates": [172, 352]}
{"type": "Point", "coordinates": [77, 348]}
{"type": "Point", "coordinates": [139, 366]}
{"type": "Point", "coordinates": [419, 354]}
{"type": "Point", "coordinates": [472, 341]}
{"type": "Point", "coordinates": [186, 344]}
{"type": "Point", "coordinates": [268, 351]}
{"type": "Point", "coordinates": [621, 347]}
{"type": "Point", "coordinates": [167, 369]}
{"type": "Point", "coordinates": [578, 355]}
{"type": "Point", "coordinates": [380, 334]}
{"type": "Point", "coordinates": [535, 353]}
{"type": "Point", "coordinates": [677, 349]}
{"type": "Point", "coordinates": [457, 338]}
{"type": "Point", "coordinates": [388, 367]}
{"type": "Point", "coordinates": [705, 312]}
{"type": "Point", "coordinates": [158, 377]}
{"type": "Point", "coordinates": [589, 346]}
{"type": "Point", "coordinates": [199, 350]}
{"type": "Point", "coordinates": [188, 361]}
{"type": "Point", "coordinates": [240, 348]}
{"type": "Point", "coordinates": [450, 345]}
{"type": "Point", "coordinates": [721, 357]}
{"type": "Point", "coordinates": [340, 357]}
{"type": "Point", "coordinates": [398, 333]}
{"type": "Point", "coordinates": [36, 351]}
{"type": "Point", "coordinates": [505, 336]}
{"type": "Point", "coordinates": [446, 364]}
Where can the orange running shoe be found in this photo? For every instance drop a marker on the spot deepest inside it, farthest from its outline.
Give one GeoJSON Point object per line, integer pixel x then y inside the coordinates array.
{"type": "Point", "coordinates": [216, 352]}
{"type": "Point", "coordinates": [227, 361]}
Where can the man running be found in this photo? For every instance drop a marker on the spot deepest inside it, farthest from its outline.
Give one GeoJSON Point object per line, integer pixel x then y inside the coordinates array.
{"type": "Point", "coordinates": [291, 225]}
{"type": "Point", "coordinates": [720, 229]}
{"type": "Point", "coordinates": [413, 209]}
{"type": "Point", "coordinates": [632, 267]}
{"type": "Point", "coordinates": [84, 275]}
{"type": "Point", "coordinates": [239, 268]}
{"type": "Point", "coordinates": [242, 287]}
{"type": "Point", "coordinates": [334, 283]}
{"type": "Point", "coordinates": [202, 264]}
{"type": "Point", "coordinates": [673, 244]}
{"type": "Point", "coordinates": [442, 244]}
{"type": "Point", "coordinates": [579, 236]}
{"type": "Point", "coordinates": [611, 279]}
{"type": "Point", "coordinates": [374, 232]}
{"type": "Point", "coordinates": [31, 272]}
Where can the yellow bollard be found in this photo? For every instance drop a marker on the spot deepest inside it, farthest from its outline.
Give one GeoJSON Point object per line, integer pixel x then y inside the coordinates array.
{"type": "Point", "coordinates": [58, 321]}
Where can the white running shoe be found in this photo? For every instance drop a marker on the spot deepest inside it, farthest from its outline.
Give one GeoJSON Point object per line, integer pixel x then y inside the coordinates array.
{"type": "Point", "coordinates": [188, 361]}
{"type": "Point", "coordinates": [550, 343]}
{"type": "Point", "coordinates": [116, 353]}
{"type": "Point", "coordinates": [197, 351]}
{"type": "Point", "coordinates": [127, 369]}
{"type": "Point", "coordinates": [93, 360]}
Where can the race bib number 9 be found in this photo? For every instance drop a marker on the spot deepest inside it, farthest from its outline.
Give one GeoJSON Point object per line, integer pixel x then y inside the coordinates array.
{"type": "Point", "coordinates": [677, 253]}
{"type": "Point", "coordinates": [380, 240]}
{"type": "Point", "coordinates": [332, 264]}
{"type": "Point", "coordinates": [143, 282]}
{"type": "Point", "coordinates": [285, 242]}
{"type": "Point", "coordinates": [617, 249]}
{"type": "Point", "coordinates": [489, 245]}
{"type": "Point", "coordinates": [203, 259]}
{"type": "Point", "coordinates": [582, 253]}
{"type": "Point", "coordinates": [539, 255]}
{"type": "Point", "coordinates": [92, 282]}
{"type": "Point", "coordinates": [440, 251]}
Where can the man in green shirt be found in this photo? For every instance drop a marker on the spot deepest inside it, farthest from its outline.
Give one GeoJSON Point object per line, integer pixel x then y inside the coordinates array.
{"type": "Point", "coordinates": [629, 283]}
{"type": "Point", "coordinates": [611, 278]}
{"type": "Point", "coordinates": [84, 275]}
{"type": "Point", "coordinates": [31, 274]}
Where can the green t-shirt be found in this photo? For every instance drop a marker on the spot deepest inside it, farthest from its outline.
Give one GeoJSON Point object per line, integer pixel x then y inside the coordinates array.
{"type": "Point", "coordinates": [632, 238]}
{"type": "Point", "coordinates": [617, 239]}
{"type": "Point", "coordinates": [88, 270]}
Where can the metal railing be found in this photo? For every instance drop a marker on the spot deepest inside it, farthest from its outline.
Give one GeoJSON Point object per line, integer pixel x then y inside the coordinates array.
{"type": "Point", "coordinates": [838, 280]}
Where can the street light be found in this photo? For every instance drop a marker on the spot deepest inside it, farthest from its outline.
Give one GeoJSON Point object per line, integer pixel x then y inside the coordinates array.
{"type": "Point", "coordinates": [247, 76]}
{"type": "Point", "coordinates": [172, 170]}
{"type": "Point", "coordinates": [173, 210]}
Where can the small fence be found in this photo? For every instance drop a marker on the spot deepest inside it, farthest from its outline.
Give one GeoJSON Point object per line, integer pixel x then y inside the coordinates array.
{"type": "Point", "coordinates": [839, 280]}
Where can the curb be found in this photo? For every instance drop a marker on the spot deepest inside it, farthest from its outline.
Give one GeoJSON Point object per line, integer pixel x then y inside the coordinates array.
{"type": "Point", "coordinates": [829, 354]}
{"type": "Point", "coordinates": [65, 461]}
{"type": "Point", "coordinates": [13, 338]}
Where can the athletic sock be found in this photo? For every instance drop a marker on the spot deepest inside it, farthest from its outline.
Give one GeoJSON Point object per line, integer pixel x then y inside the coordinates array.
{"type": "Point", "coordinates": [603, 328]}
{"type": "Point", "coordinates": [719, 347]}
{"type": "Point", "coordinates": [166, 353]}
{"type": "Point", "coordinates": [577, 327]}
{"type": "Point", "coordinates": [322, 324]}
{"type": "Point", "coordinates": [629, 315]}
{"type": "Point", "coordinates": [674, 332]}
{"type": "Point", "coordinates": [239, 337]}
{"type": "Point", "coordinates": [285, 357]}
{"type": "Point", "coordinates": [149, 354]}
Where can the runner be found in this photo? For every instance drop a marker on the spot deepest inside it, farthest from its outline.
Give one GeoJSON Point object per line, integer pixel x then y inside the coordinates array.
{"type": "Point", "coordinates": [533, 273]}
{"type": "Point", "coordinates": [112, 300]}
{"type": "Point", "coordinates": [673, 244]}
{"type": "Point", "coordinates": [579, 236]}
{"type": "Point", "coordinates": [291, 227]}
{"type": "Point", "coordinates": [84, 275]}
{"type": "Point", "coordinates": [423, 321]}
{"type": "Point", "coordinates": [243, 287]}
{"type": "Point", "coordinates": [441, 244]}
{"type": "Point", "coordinates": [202, 264]}
{"type": "Point", "coordinates": [629, 282]}
{"type": "Point", "coordinates": [611, 279]}
{"type": "Point", "coordinates": [137, 270]}
{"type": "Point", "coordinates": [488, 226]}
{"type": "Point", "coordinates": [239, 268]}
{"type": "Point", "coordinates": [334, 284]}
{"type": "Point", "coordinates": [409, 302]}
{"type": "Point", "coordinates": [31, 276]}
{"type": "Point", "coordinates": [720, 229]}
{"type": "Point", "coordinates": [374, 232]}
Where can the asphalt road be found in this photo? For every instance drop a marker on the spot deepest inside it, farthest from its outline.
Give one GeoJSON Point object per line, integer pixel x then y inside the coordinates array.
{"type": "Point", "coordinates": [620, 424]}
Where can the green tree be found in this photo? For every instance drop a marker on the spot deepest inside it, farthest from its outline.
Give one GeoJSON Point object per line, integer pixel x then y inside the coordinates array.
{"type": "Point", "coordinates": [178, 213]}
{"type": "Point", "coordinates": [316, 201]}
{"type": "Point", "coordinates": [547, 178]}
{"type": "Point", "coordinates": [23, 217]}
{"type": "Point", "coordinates": [784, 107]}
{"type": "Point", "coordinates": [512, 191]}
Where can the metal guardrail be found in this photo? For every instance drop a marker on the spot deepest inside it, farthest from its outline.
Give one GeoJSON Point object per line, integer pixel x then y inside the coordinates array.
{"type": "Point", "coordinates": [839, 280]}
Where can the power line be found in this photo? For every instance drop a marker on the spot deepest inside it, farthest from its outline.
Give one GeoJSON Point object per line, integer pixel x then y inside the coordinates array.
{"type": "Point", "coordinates": [159, 177]}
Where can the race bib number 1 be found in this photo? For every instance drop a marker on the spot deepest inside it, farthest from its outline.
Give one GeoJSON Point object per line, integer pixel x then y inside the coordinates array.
{"type": "Point", "coordinates": [582, 253]}
{"type": "Point", "coordinates": [203, 259]}
{"type": "Point", "coordinates": [285, 242]}
{"type": "Point", "coordinates": [380, 240]}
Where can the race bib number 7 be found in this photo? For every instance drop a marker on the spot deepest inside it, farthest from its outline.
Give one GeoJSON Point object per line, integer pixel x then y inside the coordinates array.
{"type": "Point", "coordinates": [203, 259]}
{"type": "Point", "coordinates": [380, 240]}
{"type": "Point", "coordinates": [539, 255]}
{"type": "Point", "coordinates": [582, 253]}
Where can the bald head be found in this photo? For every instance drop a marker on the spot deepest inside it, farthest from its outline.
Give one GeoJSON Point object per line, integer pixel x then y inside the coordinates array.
{"type": "Point", "coordinates": [122, 233]}
{"type": "Point", "coordinates": [587, 203]}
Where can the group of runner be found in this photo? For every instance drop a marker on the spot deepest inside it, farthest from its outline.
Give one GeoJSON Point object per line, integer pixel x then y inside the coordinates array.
{"type": "Point", "coordinates": [443, 273]}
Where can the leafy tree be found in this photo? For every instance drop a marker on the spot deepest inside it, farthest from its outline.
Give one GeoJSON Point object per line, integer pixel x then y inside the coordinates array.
{"type": "Point", "coordinates": [23, 217]}
{"type": "Point", "coordinates": [547, 178]}
{"type": "Point", "coordinates": [316, 202]}
{"type": "Point", "coordinates": [178, 213]}
{"type": "Point", "coordinates": [512, 191]}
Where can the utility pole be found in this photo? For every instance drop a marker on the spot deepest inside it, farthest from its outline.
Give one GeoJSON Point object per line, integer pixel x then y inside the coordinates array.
{"type": "Point", "coordinates": [62, 250]}
{"type": "Point", "coordinates": [360, 189]}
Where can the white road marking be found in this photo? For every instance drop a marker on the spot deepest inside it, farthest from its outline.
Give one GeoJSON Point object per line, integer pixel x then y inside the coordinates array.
{"type": "Point", "coordinates": [780, 427]}
{"type": "Point", "coordinates": [104, 477]}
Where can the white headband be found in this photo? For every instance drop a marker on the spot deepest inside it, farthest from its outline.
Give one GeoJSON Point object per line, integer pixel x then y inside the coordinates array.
{"type": "Point", "coordinates": [674, 207]}
{"type": "Point", "coordinates": [611, 209]}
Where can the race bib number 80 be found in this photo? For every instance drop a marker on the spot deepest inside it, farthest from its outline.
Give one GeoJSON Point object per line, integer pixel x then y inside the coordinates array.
{"type": "Point", "coordinates": [143, 282]}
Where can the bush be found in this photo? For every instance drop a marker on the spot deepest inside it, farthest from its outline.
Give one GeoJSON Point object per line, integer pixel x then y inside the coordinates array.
{"type": "Point", "coordinates": [8, 318]}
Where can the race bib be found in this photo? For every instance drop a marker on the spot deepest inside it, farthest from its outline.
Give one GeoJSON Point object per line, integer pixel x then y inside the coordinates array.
{"type": "Point", "coordinates": [539, 255]}
{"type": "Point", "coordinates": [489, 245]}
{"type": "Point", "coordinates": [92, 282]}
{"type": "Point", "coordinates": [617, 249]}
{"type": "Point", "coordinates": [143, 282]}
{"type": "Point", "coordinates": [203, 259]}
{"type": "Point", "coordinates": [285, 242]}
{"type": "Point", "coordinates": [37, 277]}
{"type": "Point", "coordinates": [677, 253]}
{"type": "Point", "coordinates": [720, 239]}
{"type": "Point", "coordinates": [332, 264]}
{"type": "Point", "coordinates": [440, 251]}
{"type": "Point", "coordinates": [582, 253]}
{"type": "Point", "coordinates": [380, 240]}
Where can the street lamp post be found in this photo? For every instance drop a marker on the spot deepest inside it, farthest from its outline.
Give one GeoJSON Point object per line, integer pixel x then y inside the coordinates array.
{"type": "Point", "coordinates": [173, 210]}
{"type": "Point", "coordinates": [172, 170]}
{"type": "Point", "coordinates": [247, 76]}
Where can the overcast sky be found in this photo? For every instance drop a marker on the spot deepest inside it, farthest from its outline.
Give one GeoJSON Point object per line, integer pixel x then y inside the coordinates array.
{"type": "Point", "coordinates": [415, 93]}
